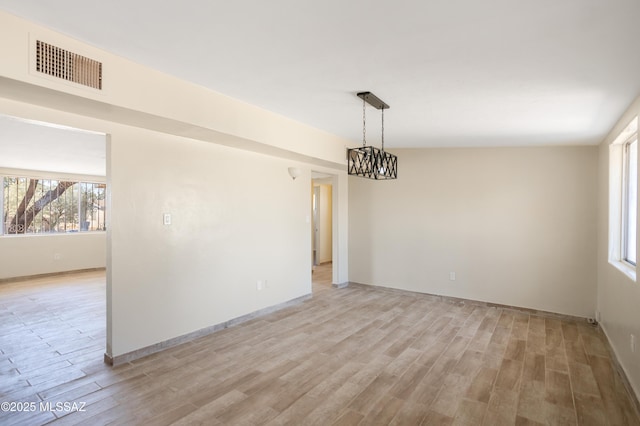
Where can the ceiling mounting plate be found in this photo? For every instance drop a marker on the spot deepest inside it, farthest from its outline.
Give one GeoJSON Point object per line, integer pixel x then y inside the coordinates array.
{"type": "Point", "coordinates": [373, 100]}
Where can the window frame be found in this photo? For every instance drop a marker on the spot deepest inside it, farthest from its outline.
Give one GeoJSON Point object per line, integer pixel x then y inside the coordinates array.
{"type": "Point", "coordinates": [627, 185]}
{"type": "Point", "coordinates": [619, 218]}
{"type": "Point", "coordinates": [82, 181]}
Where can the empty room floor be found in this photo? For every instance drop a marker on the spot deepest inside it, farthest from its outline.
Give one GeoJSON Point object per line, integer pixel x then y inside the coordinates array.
{"type": "Point", "coordinates": [358, 355]}
{"type": "Point", "coordinates": [321, 278]}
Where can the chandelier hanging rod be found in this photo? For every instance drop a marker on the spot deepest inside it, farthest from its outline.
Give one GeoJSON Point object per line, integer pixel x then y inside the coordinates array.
{"type": "Point", "coordinates": [373, 100]}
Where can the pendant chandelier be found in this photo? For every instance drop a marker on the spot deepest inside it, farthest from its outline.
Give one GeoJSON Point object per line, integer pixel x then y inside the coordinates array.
{"type": "Point", "coordinates": [369, 161]}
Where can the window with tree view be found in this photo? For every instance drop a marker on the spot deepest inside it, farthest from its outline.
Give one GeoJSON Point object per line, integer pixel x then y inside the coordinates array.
{"type": "Point", "coordinates": [39, 206]}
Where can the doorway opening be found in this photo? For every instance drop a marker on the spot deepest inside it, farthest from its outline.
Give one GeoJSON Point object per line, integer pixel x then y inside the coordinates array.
{"type": "Point", "coordinates": [322, 231]}
{"type": "Point", "coordinates": [54, 202]}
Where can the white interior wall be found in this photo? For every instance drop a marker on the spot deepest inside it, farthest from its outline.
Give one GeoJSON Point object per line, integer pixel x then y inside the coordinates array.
{"type": "Point", "coordinates": [45, 254]}
{"type": "Point", "coordinates": [237, 218]}
{"type": "Point", "coordinates": [340, 219]}
{"type": "Point", "coordinates": [516, 225]}
{"type": "Point", "coordinates": [618, 296]}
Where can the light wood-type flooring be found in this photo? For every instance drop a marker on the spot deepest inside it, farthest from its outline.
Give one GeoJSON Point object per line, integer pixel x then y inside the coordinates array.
{"type": "Point", "coordinates": [358, 355]}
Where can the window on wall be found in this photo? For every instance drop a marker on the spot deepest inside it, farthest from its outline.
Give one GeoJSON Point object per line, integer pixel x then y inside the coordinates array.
{"type": "Point", "coordinates": [623, 200]}
{"type": "Point", "coordinates": [45, 206]}
{"type": "Point", "coordinates": [630, 199]}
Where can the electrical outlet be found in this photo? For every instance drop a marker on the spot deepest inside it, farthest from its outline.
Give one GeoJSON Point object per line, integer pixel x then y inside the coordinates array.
{"type": "Point", "coordinates": [452, 276]}
{"type": "Point", "coordinates": [57, 256]}
{"type": "Point", "coordinates": [598, 317]}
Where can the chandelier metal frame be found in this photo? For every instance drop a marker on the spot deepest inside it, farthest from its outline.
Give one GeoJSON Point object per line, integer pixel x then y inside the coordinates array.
{"type": "Point", "coordinates": [368, 161]}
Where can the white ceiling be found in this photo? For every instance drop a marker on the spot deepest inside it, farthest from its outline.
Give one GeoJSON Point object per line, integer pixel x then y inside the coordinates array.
{"type": "Point", "coordinates": [455, 72]}
{"type": "Point", "coordinates": [31, 145]}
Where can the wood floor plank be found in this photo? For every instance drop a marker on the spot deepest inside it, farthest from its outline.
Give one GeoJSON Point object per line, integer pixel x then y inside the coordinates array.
{"type": "Point", "coordinates": [534, 367]}
{"type": "Point", "coordinates": [516, 349]}
{"type": "Point", "coordinates": [481, 386]}
{"type": "Point", "coordinates": [575, 351]}
{"type": "Point", "coordinates": [558, 389]}
{"type": "Point", "coordinates": [91, 410]}
{"type": "Point", "coordinates": [502, 408]}
{"type": "Point", "coordinates": [509, 375]}
{"type": "Point", "coordinates": [369, 397]}
{"type": "Point", "coordinates": [531, 402]}
{"type": "Point", "coordinates": [590, 410]}
{"type": "Point", "coordinates": [582, 379]}
{"type": "Point", "coordinates": [384, 412]}
{"type": "Point", "coordinates": [437, 419]}
{"type": "Point", "coordinates": [469, 412]}
{"type": "Point", "coordinates": [407, 383]}
{"type": "Point", "coordinates": [349, 418]}
{"type": "Point", "coordinates": [451, 394]}
{"type": "Point", "coordinates": [410, 413]}
{"type": "Point", "coordinates": [358, 355]}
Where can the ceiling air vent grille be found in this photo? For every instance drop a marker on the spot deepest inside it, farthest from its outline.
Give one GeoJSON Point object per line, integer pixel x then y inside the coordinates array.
{"type": "Point", "coordinates": [60, 63]}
